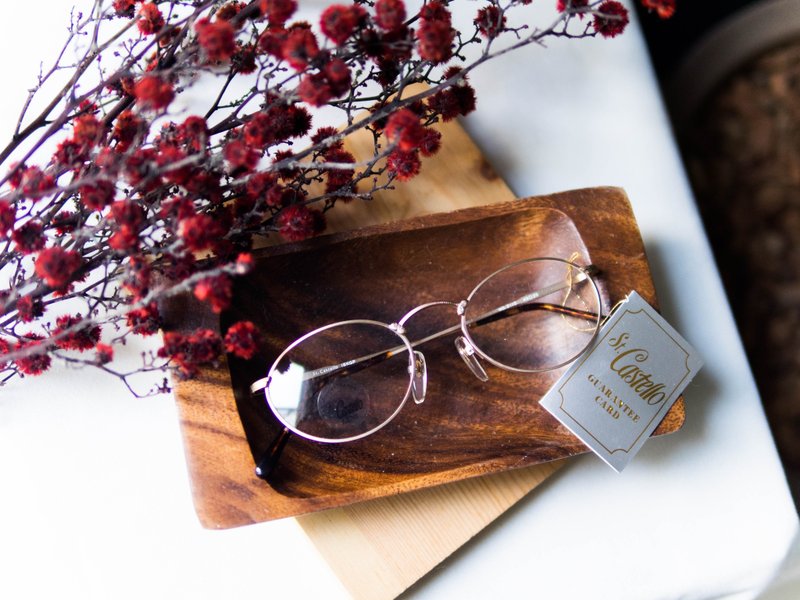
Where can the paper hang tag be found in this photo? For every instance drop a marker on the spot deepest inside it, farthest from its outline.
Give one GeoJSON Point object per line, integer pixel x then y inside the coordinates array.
{"type": "Point", "coordinates": [620, 389]}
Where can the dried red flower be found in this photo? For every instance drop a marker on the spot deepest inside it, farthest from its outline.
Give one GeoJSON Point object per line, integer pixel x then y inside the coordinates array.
{"type": "Point", "coordinates": [663, 8]}
{"type": "Point", "coordinates": [8, 216]}
{"type": "Point", "coordinates": [82, 338]}
{"type": "Point", "coordinates": [199, 232]}
{"type": "Point", "coordinates": [298, 222]}
{"type": "Point", "coordinates": [150, 19]}
{"type": "Point", "coordinates": [144, 320]}
{"type": "Point", "coordinates": [5, 348]}
{"type": "Point", "coordinates": [104, 354]}
{"type": "Point", "coordinates": [57, 266]}
{"type": "Point", "coordinates": [127, 128]}
{"type": "Point", "coordinates": [339, 178]}
{"type": "Point", "coordinates": [217, 39]}
{"type": "Point", "coordinates": [29, 309]}
{"type": "Point", "coordinates": [314, 89]}
{"type": "Point", "coordinates": [216, 291]}
{"type": "Point", "coordinates": [244, 59]}
{"type": "Point", "coordinates": [278, 11]}
{"type": "Point", "coordinates": [610, 19]}
{"type": "Point", "coordinates": [87, 130]}
{"type": "Point", "coordinates": [242, 339]}
{"type": "Point", "coordinates": [97, 195]}
{"type": "Point", "coordinates": [152, 91]}
{"type": "Point", "coordinates": [430, 143]}
{"type": "Point", "coordinates": [128, 214]}
{"type": "Point", "coordinates": [338, 76]}
{"type": "Point", "coordinates": [454, 101]}
{"type": "Point", "coordinates": [490, 21]}
{"type": "Point", "coordinates": [240, 156]}
{"type": "Point", "coordinates": [37, 362]}
{"type": "Point", "coordinates": [124, 8]}
{"type": "Point", "coordinates": [404, 165]}
{"type": "Point", "coordinates": [230, 10]}
{"type": "Point", "coordinates": [193, 134]}
{"type": "Point", "coordinates": [34, 182]}
{"type": "Point", "coordinates": [29, 237]}
{"type": "Point", "coordinates": [338, 22]}
{"type": "Point", "coordinates": [404, 129]}
{"type": "Point", "coordinates": [435, 34]}
{"type": "Point", "coordinates": [300, 47]}
{"type": "Point", "coordinates": [390, 15]}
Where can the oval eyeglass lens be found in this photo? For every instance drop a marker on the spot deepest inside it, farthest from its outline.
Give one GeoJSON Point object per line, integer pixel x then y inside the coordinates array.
{"type": "Point", "coordinates": [340, 382]}
{"type": "Point", "coordinates": [534, 315]}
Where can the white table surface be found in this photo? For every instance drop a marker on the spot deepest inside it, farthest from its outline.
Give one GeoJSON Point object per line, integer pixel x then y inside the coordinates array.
{"type": "Point", "coordinates": [94, 492]}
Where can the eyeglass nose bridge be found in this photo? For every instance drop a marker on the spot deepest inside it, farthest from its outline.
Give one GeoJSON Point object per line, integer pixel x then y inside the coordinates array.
{"type": "Point", "coordinates": [467, 353]}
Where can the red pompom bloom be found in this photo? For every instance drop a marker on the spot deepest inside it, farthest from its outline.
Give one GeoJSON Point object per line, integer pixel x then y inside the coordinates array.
{"type": "Point", "coordinates": [218, 39]}
{"type": "Point", "coordinates": [314, 89]}
{"type": "Point", "coordinates": [128, 215]}
{"type": "Point", "coordinates": [199, 232]}
{"type": "Point", "coordinates": [242, 340]}
{"type": "Point", "coordinates": [145, 320]}
{"type": "Point", "coordinates": [56, 266]}
{"type": "Point", "coordinates": [150, 19]}
{"type": "Point", "coordinates": [404, 165]}
{"type": "Point", "coordinates": [338, 22]}
{"type": "Point", "coordinates": [258, 131]}
{"type": "Point", "coordinates": [452, 102]}
{"type": "Point", "coordinates": [8, 215]}
{"type": "Point", "coordinates": [490, 21]}
{"type": "Point", "coordinates": [37, 362]}
{"type": "Point", "coordinates": [664, 8]}
{"type": "Point", "coordinates": [431, 142]}
{"type": "Point", "coordinates": [97, 195]}
{"type": "Point", "coordinates": [35, 182]}
{"type": "Point", "coordinates": [298, 222]}
{"type": "Point", "coordinates": [80, 338]}
{"type": "Point", "coordinates": [404, 129]}
{"type": "Point", "coordinates": [229, 10]}
{"type": "Point", "coordinates": [29, 309]}
{"type": "Point", "coordinates": [104, 354]}
{"type": "Point", "coordinates": [28, 237]}
{"type": "Point", "coordinates": [216, 291]}
{"type": "Point", "coordinates": [87, 130]}
{"type": "Point", "coordinates": [390, 15]}
{"type": "Point", "coordinates": [240, 156]}
{"type": "Point", "coordinates": [124, 8]}
{"type": "Point", "coordinates": [435, 34]}
{"type": "Point", "coordinates": [610, 19]}
{"type": "Point", "coordinates": [278, 11]}
{"type": "Point", "coordinates": [126, 128]}
{"type": "Point", "coordinates": [300, 47]}
{"type": "Point", "coordinates": [5, 348]}
{"type": "Point", "coordinates": [153, 92]}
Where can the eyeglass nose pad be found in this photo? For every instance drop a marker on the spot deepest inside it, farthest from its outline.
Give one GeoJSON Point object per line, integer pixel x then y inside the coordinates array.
{"type": "Point", "coordinates": [419, 377]}
{"type": "Point", "coordinates": [467, 353]}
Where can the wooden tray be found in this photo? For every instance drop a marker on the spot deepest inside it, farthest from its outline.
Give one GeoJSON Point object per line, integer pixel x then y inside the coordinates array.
{"type": "Point", "coordinates": [465, 427]}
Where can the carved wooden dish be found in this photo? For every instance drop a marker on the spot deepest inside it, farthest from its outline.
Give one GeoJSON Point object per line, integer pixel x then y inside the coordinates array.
{"type": "Point", "coordinates": [465, 427]}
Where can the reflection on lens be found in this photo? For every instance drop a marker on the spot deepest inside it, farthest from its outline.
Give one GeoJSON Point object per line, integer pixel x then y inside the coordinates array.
{"type": "Point", "coordinates": [534, 315]}
{"type": "Point", "coordinates": [341, 382]}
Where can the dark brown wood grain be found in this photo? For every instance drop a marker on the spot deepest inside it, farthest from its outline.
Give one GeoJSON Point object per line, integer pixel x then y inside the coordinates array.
{"type": "Point", "coordinates": [465, 427]}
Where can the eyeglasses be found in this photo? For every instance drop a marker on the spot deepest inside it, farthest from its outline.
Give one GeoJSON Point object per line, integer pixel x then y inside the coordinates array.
{"type": "Point", "coordinates": [346, 380]}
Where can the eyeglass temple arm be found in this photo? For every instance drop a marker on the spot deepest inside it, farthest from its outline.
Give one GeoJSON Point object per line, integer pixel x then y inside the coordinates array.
{"type": "Point", "coordinates": [525, 303]}
{"type": "Point", "coordinates": [269, 460]}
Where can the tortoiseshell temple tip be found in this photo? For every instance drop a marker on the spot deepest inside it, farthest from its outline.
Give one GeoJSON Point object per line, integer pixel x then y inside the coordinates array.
{"type": "Point", "coordinates": [267, 463]}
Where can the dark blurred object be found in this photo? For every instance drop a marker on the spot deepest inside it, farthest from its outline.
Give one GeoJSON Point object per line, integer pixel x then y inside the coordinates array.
{"type": "Point", "coordinates": [731, 76]}
{"type": "Point", "coordinates": [670, 40]}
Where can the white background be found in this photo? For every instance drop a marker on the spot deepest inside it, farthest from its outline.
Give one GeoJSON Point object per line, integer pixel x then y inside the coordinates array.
{"type": "Point", "coordinates": [94, 495]}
